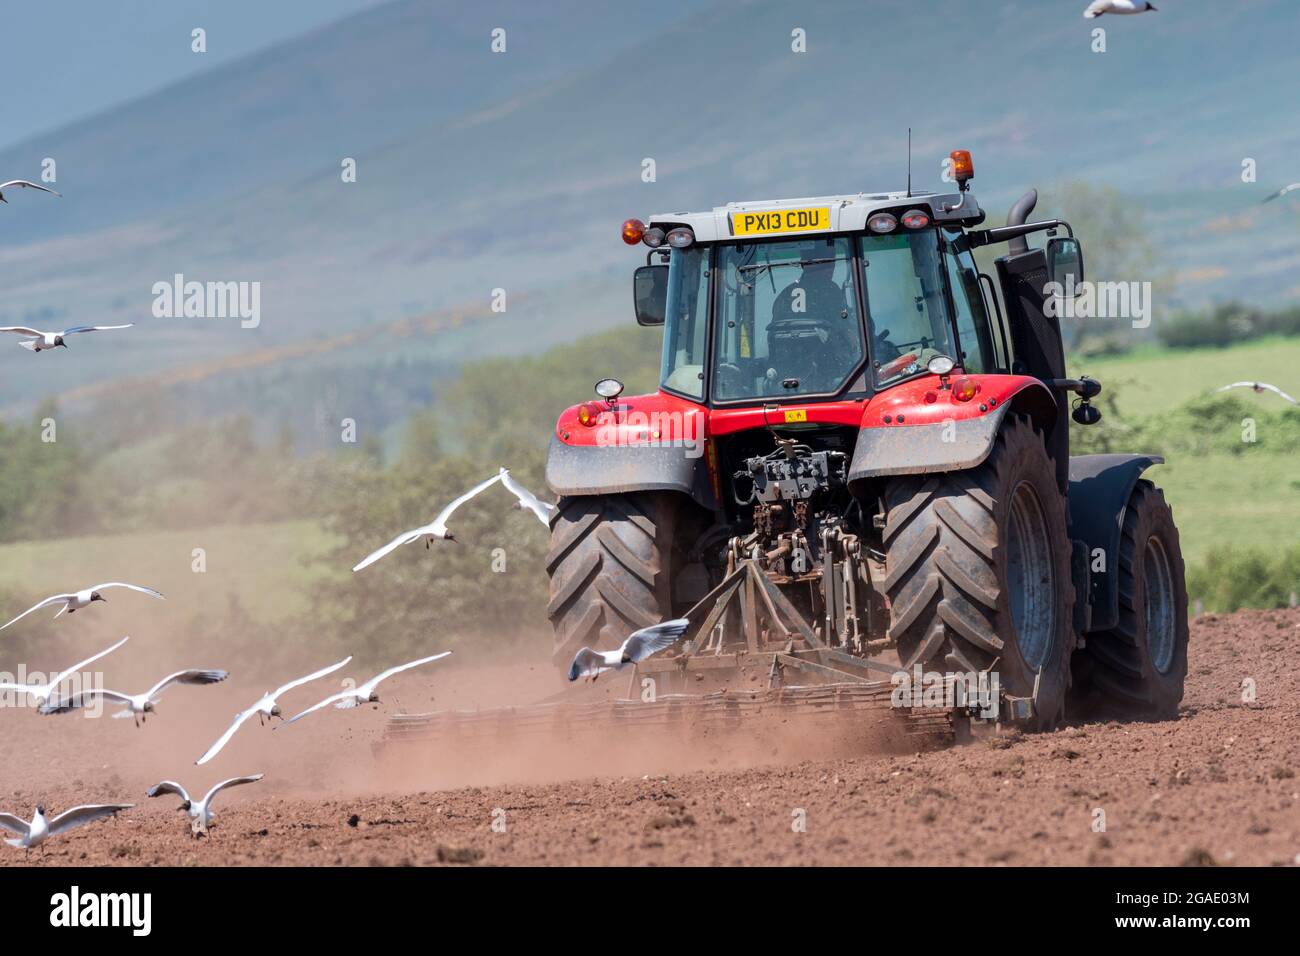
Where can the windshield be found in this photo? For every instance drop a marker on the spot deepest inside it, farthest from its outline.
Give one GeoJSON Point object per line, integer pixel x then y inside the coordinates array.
{"type": "Point", "coordinates": [906, 306]}
{"type": "Point", "coordinates": [787, 319]}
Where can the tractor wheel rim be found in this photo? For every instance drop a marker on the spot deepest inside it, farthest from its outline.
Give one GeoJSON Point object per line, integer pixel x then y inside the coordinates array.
{"type": "Point", "coordinates": [1158, 588]}
{"type": "Point", "coordinates": [1031, 576]}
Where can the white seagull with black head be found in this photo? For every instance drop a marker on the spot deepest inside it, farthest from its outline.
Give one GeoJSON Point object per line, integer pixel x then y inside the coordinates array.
{"type": "Point", "coordinates": [25, 184]}
{"type": "Point", "coordinates": [638, 646]}
{"type": "Point", "coordinates": [76, 600]}
{"type": "Point", "coordinates": [1258, 387]}
{"type": "Point", "coordinates": [44, 341]}
{"type": "Point", "coordinates": [200, 812]}
{"type": "Point", "coordinates": [364, 693]}
{"type": "Point", "coordinates": [527, 500]}
{"type": "Point", "coordinates": [42, 828]}
{"type": "Point", "coordinates": [1282, 192]}
{"type": "Point", "coordinates": [138, 706]}
{"type": "Point", "coordinates": [1123, 7]}
{"type": "Point", "coordinates": [43, 692]}
{"type": "Point", "coordinates": [433, 531]}
{"type": "Point", "coordinates": [266, 707]}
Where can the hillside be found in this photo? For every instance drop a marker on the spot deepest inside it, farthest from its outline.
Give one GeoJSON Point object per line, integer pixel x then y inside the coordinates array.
{"type": "Point", "coordinates": [478, 171]}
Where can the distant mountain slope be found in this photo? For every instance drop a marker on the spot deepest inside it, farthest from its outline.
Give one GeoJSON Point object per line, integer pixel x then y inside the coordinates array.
{"type": "Point", "coordinates": [479, 172]}
{"type": "Point", "coordinates": [285, 114]}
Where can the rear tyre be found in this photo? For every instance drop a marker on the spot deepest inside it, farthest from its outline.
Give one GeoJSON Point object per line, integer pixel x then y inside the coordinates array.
{"type": "Point", "coordinates": [1139, 667]}
{"type": "Point", "coordinates": [978, 571]}
{"type": "Point", "coordinates": [609, 569]}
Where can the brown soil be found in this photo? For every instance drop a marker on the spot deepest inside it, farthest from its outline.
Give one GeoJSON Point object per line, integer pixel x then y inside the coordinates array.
{"type": "Point", "coordinates": [1216, 785]}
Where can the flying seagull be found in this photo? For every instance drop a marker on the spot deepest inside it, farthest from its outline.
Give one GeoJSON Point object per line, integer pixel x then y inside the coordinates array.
{"type": "Point", "coordinates": [1258, 387]}
{"type": "Point", "coordinates": [76, 600]}
{"type": "Point", "coordinates": [40, 829]}
{"type": "Point", "coordinates": [24, 184]}
{"type": "Point", "coordinates": [527, 499]}
{"type": "Point", "coordinates": [44, 341]}
{"type": "Point", "coordinates": [638, 646]}
{"type": "Point", "coordinates": [200, 812]}
{"type": "Point", "coordinates": [266, 707]}
{"type": "Point", "coordinates": [1098, 7]}
{"type": "Point", "coordinates": [133, 705]}
{"type": "Point", "coordinates": [1281, 192]}
{"type": "Point", "coordinates": [43, 692]}
{"type": "Point", "coordinates": [364, 693]}
{"type": "Point", "coordinates": [435, 529]}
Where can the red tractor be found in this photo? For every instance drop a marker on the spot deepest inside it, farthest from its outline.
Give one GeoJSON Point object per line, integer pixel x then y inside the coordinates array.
{"type": "Point", "coordinates": [859, 449]}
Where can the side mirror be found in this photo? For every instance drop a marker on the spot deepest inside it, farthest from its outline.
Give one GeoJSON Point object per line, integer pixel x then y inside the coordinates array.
{"type": "Point", "coordinates": [1065, 264]}
{"type": "Point", "coordinates": [650, 292]}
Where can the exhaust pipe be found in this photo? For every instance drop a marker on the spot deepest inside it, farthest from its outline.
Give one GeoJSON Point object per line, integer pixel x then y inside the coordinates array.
{"type": "Point", "coordinates": [1018, 215]}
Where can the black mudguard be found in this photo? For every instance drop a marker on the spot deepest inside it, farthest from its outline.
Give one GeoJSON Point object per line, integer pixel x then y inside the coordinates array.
{"type": "Point", "coordinates": [573, 470]}
{"type": "Point", "coordinates": [1100, 486]}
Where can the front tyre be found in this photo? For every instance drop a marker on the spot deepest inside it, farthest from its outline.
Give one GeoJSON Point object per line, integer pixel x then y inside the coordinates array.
{"type": "Point", "coordinates": [978, 571]}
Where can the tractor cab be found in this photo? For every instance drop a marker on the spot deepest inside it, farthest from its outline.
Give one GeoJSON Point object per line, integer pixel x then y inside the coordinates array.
{"type": "Point", "coordinates": [815, 299]}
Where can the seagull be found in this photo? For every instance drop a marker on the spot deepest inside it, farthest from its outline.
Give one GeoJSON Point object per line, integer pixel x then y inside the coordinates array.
{"type": "Point", "coordinates": [1098, 7]}
{"type": "Point", "coordinates": [639, 645]}
{"type": "Point", "coordinates": [1281, 192]}
{"type": "Point", "coordinates": [434, 529]}
{"type": "Point", "coordinates": [266, 707]}
{"type": "Point", "coordinates": [43, 692]}
{"type": "Point", "coordinates": [1258, 387]}
{"type": "Point", "coordinates": [76, 600]}
{"type": "Point", "coordinates": [201, 812]}
{"type": "Point", "coordinates": [44, 341]}
{"type": "Point", "coordinates": [134, 705]}
{"type": "Point", "coordinates": [40, 829]}
{"type": "Point", "coordinates": [26, 185]}
{"type": "Point", "coordinates": [364, 693]}
{"type": "Point", "coordinates": [527, 499]}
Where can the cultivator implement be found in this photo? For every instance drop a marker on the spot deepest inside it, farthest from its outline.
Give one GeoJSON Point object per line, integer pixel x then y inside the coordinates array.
{"type": "Point", "coordinates": [751, 659]}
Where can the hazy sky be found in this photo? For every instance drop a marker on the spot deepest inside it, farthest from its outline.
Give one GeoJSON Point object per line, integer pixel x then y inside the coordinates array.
{"type": "Point", "coordinates": [63, 60]}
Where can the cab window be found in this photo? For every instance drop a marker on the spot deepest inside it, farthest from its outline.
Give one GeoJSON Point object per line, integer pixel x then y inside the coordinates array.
{"type": "Point", "coordinates": [686, 322]}
{"type": "Point", "coordinates": [974, 331]}
{"type": "Point", "coordinates": [906, 304]}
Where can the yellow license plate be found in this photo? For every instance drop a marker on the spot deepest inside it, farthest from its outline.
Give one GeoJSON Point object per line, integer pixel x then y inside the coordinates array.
{"type": "Point", "coordinates": [796, 415]}
{"type": "Point", "coordinates": [815, 219]}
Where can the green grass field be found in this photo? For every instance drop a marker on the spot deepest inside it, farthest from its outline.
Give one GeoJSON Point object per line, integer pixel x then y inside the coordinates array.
{"type": "Point", "coordinates": [1249, 500]}
{"type": "Point", "coordinates": [263, 566]}
{"type": "Point", "coordinates": [1153, 379]}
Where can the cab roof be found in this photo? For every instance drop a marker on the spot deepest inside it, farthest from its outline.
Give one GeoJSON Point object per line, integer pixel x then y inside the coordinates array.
{"type": "Point", "coordinates": [822, 214]}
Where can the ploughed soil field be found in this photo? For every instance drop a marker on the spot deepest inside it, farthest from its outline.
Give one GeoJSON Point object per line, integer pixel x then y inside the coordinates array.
{"type": "Point", "coordinates": [1217, 785]}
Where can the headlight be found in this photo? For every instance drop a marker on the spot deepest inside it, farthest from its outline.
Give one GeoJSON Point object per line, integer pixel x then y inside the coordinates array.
{"type": "Point", "coordinates": [609, 388]}
{"type": "Point", "coordinates": [680, 238]}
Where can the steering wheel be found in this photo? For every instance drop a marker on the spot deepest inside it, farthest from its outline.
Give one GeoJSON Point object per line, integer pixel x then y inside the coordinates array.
{"type": "Point", "coordinates": [894, 366]}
